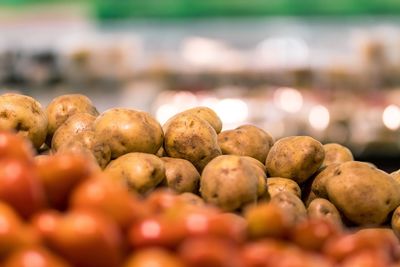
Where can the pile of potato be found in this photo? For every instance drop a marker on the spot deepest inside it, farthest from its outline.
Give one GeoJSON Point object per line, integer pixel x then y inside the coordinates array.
{"type": "Point", "coordinates": [184, 193]}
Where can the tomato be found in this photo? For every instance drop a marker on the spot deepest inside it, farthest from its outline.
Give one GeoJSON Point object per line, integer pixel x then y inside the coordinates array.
{"type": "Point", "coordinates": [35, 256]}
{"type": "Point", "coordinates": [20, 187]}
{"type": "Point", "coordinates": [14, 234]}
{"type": "Point", "coordinates": [153, 257]}
{"type": "Point", "coordinates": [45, 223]}
{"type": "Point", "coordinates": [87, 239]}
{"type": "Point", "coordinates": [313, 233]}
{"type": "Point", "coordinates": [59, 175]}
{"type": "Point", "coordinates": [110, 198]}
{"type": "Point", "coordinates": [16, 147]}
{"type": "Point", "coordinates": [161, 199]}
{"type": "Point", "coordinates": [157, 231]}
{"type": "Point", "coordinates": [209, 251]}
{"type": "Point", "coordinates": [266, 220]}
{"type": "Point", "coordinates": [367, 258]}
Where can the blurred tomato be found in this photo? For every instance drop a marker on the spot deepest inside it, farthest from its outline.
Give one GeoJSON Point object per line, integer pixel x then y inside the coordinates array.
{"type": "Point", "coordinates": [266, 220]}
{"type": "Point", "coordinates": [209, 251]}
{"type": "Point", "coordinates": [313, 233]}
{"type": "Point", "coordinates": [15, 147]}
{"type": "Point", "coordinates": [367, 258]}
{"type": "Point", "coordinates": [35, 257]}
{"type": "Point", "coordinates": [153, 257]}
{"type": "Point", "coordinates": [45, 223]}
{"type": "Point", "coordinates": [14, 234]}
{"type": "Point", "coordinates": [87, 239]}
{"type": "Point", "coordinates": [156, 231]}
{"type": "Point", "coordinates": [59, 175]}
{"type": "Point", "coordinates": [110, 198]}
{"type": "Point", "coordinates": [162, 199]}
{"type": "Point", "coordinates": [20, 187]}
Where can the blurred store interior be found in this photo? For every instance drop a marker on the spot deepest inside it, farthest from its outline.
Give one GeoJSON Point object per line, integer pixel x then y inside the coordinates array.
{"type": "Point", "coordinates": [329, 69]}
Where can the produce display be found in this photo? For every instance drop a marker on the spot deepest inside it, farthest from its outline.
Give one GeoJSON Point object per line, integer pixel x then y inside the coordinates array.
{"type": "Point", "coordinates": [83, 189]}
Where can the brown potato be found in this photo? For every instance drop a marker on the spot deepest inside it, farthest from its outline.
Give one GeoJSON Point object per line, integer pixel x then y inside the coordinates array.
{"type": "Point", "coordinates": [127, 130]}
{"type": "Point", "coordinates": [292, 206]}
{"type": "Point", "coordinates": [395, 222]}
{"type": "Point", "coordinates": [87, 141]}
{"type": "Point", "coordinates": [396, 175]}
{"type": "Point", "coordinates": [279, 184]}
{"type": "Point", "coordinates": [246, 140]}
{"type": "Point", "coordinates": [192, 138]}
{"type": "Point", "coordinates": [24, 115]}
{"type": "Point", "coordinates": [323, 208]}
{"type": "Point", "coordinates": [208, 115]}
{"type": "Point", "coordinates": [180, 175]}
{"type": "Point", "coordinates": [295, 157]}
{"type": "Point", "coordinates": [318, 186]}
{"type": "Point", "coordinates": [336, 153]}
{"type": "Point", "coordinates": [191, 199]}
{"type": "Point", "coordinates": [259, 168]}
{"type": "Point", "coordinates": [140, 172]}
{"type": "Point", "coordinates": [75, 124]}
{"type": "Point", "coordinates": [363, 194]}
{"type": "Point", "coordinates": [229, 182]}
{"type": "Point", "coordinates": [64, 106]}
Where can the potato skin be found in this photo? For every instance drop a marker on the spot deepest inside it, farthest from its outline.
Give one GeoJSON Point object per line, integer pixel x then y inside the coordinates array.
{"type": "Point", "coordinates": [140, 172]}
{"type": "Point", "coordinates": [75, 124]}
{"type": "Point", "coordinates": [336, 153]}
{"type": "Point", "coordinates": [395, 222]}
{"type": "Point", "coordinates": [259, 168]}
{"type": "Point", "coordinates": [291, 205]}
{"type": "Point", "coordinates": [180, 175]}
{"type": "Point", "coordinates": [64, 106]}
{"type": "Point", "coordinates": [279, 184]}
{"type": "Point", "coordinates": [24, 115]}
{"type": "Point", "coordinates": [246, 140]}
{"type": "Point", "coordinates": [192, 138]}
{"type": "Point", "coordinates": [229, 182]}
{"type": "Point", "coordinates": [127, 130]}
{"type": "Point", "coordinates": [396, 175]}
{"type": "Point", "coordinates": [323, 208]}
{"type": "Point", "coordinates": [295, 157]}
{"type": "Point", "coordinates": [364, 194]}
{"type": "Point", "coordinates": [208, 115]}
{"type": "Point", "coordinates": [87, 141]}
{"type": "Point", "coordinates": [318, 186]}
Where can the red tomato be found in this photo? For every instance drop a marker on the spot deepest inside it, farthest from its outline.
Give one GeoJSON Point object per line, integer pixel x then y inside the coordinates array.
{"type": "Point", "coordinates": [110, 198]}
{"type": "Point", "coordinates": [16, 147]}
{"type": "Point", "coordinates": [35, 256]}
{"type": "Point", "coordinates": [153, 257]}
{"type": "Point", "coordinates": [59, 175]}
{"type": "Point", "coordinates": [20, 187]}
{"type": "Point", "coordinates": [45, 223]}
{"type": "Point", "coordinates": [313, 233]}
{"type": "Point", "coordinates": [367, 258]}
{"type": "Point", "coordinates": [87, 239]}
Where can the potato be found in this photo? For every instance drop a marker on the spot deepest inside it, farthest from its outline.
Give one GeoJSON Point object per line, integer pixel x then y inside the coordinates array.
{"type": "Point", "coordinates": [246, 140]}
{"type": "Point", "coordinates": [395, 222]}
{"type": "Point", "coordinates": [318, 186]}
{"type": "Point", "coordinates": [128, 130]}
{"type": "Point", "coordinates": [363, 194]}
{"type": "Point", "coordinates": [263, 193]}
{"type": "Point", "coordinates": [191, 199]}
{"type": "Point", "coordinates": [230, 182]}
{"type": "Point", "coordinates": [192, 138]}
{"type": "Point", "coordinates": [208, 115]}
{"type": "Point", "coordinates": [323, 208]}
{"type": "Point", "coordinates": [24, 115]}
{"type": "Point", "coordinates": [140, 172]}
{"type": "Point", "coordinates": [336, 153]}
{"type": "Point", "coordinates": [63, 107]}
{"type": "Point", "coordinates": [290, 205]}
{"type": "Point", "coordinates": [75, 124]}
{"type": "Point", "coordinates": [295, 157]}
{"type": "Point", "coordinates": [88, 141]}
{"type": "Point", "coordinates": [180, 175]}
{"type": "Point", "coordinates": [279, 184]}
{"type": "Point", "coordinates": [396, 175]}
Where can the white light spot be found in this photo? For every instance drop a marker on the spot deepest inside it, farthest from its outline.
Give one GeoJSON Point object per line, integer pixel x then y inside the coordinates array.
{"type": "Point", "coordinates": [165, 112]}
{"type": "Point", "coordinates": [288, 99]}
{"type": "Point", "coordinates": [33, 259]}
{"type": "Point", "coordinates": [391, 117]}
{"type": "Point", "coordinates": [319, 117]}
{"type": "Point", "coordinates": [150, 229]}
{"type": "Point", "coordinates": [197, 222]}
{"type": "Point", "coordinates": [232, 110]}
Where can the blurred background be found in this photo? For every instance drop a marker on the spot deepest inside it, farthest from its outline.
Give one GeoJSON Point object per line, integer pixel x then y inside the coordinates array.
{"type": "Point", "coordinates": [329, 69]}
